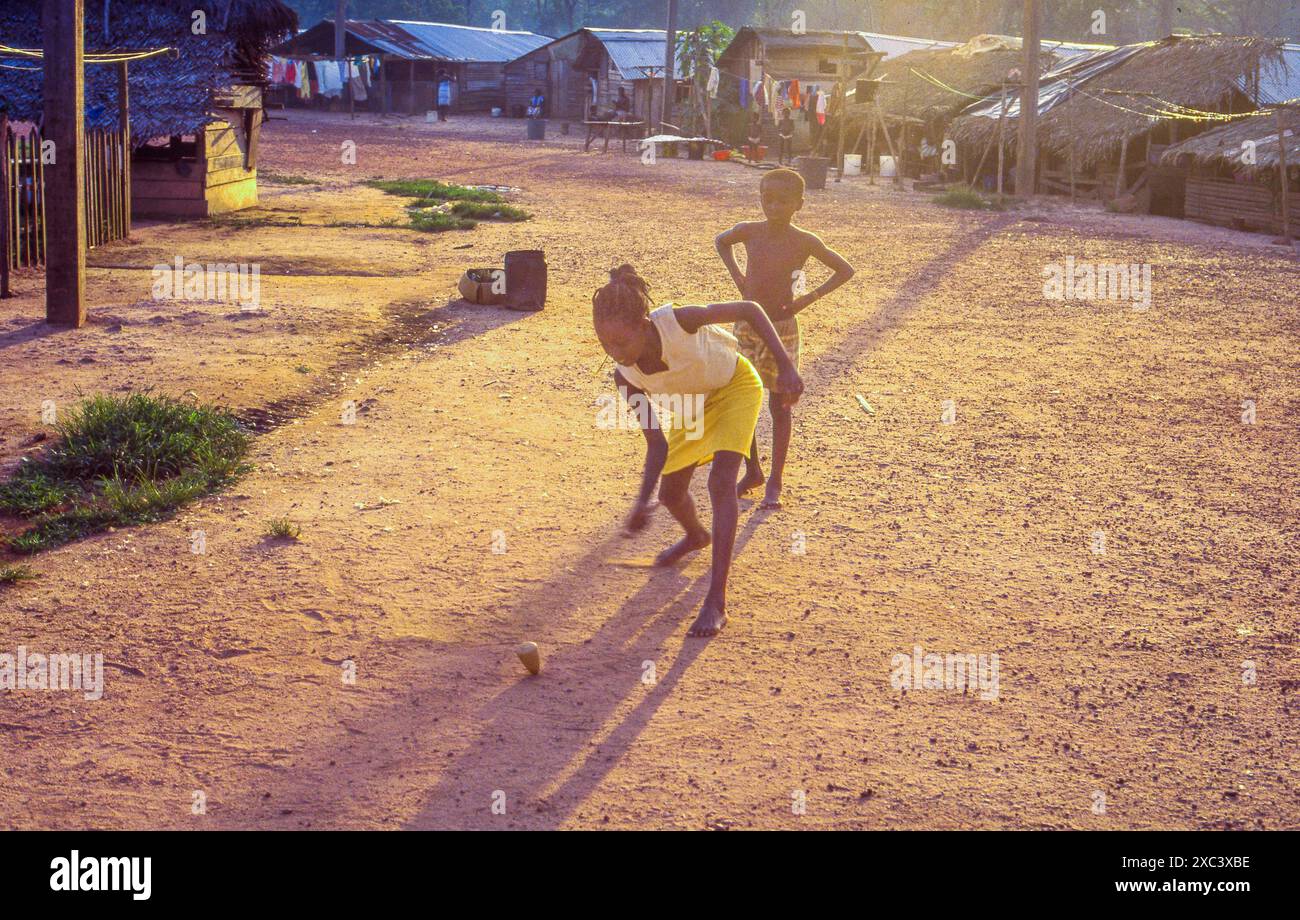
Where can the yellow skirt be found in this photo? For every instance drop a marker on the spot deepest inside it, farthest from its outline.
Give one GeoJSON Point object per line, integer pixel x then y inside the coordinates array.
{"type": "Point", "coordinates": [730, 417]}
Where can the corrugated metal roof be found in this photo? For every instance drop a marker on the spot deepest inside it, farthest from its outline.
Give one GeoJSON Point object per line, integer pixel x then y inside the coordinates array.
{"type": "Point", "coordinates": [894, 45]}
{"type": "Point", "coordinates": [1055, 86]}
{"type": "Point", "coordinates": [631, 50]}
{"type": "Point", "coordinates": [1280, 84]}
{"type": "Point", "coordinates": [448, 42]}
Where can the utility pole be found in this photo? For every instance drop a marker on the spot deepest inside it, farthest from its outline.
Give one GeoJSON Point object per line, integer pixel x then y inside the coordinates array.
{"type": "Point", "coordinates": [63, 28]}
{"type": "Point", "coordinates": [670, 68]}
{"type": "Point", "coordinates": [1164, 19]}
{"type": "Point", "coordinates": [1027, 156]}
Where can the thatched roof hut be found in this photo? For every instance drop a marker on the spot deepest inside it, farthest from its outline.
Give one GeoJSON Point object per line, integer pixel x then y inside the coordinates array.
{"type": "Point", "coordinates": [173, 94]}
{"type": "Point", "coordinates": [934, 85]}
{"type": "Point", "coordinates": [1122, 95]}
{"type": "Point", "coordinates": [1223, 147]}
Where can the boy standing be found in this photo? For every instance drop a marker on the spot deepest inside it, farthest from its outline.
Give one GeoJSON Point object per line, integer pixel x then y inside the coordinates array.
{"type": "Point", "coordinates": [775, 253]}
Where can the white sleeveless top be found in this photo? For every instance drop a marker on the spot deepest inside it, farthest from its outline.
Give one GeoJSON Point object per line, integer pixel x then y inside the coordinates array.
{"type": "Point", "coordinates": [698, 362]}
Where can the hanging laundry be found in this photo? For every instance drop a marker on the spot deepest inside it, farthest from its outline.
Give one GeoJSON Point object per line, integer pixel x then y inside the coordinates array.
{"type": "Point", "coordinates": [358, 81]}
{"type": "Point", "coordinates": [712, 86]}
{"type": "Point", "coordinates": [744, 93]}
{"type": "Point", "coordinates": [794, 94]}
{"type": "Point", "coordinates": [821, 108]}
{"type": "Point", "coordinates": [329, 78]}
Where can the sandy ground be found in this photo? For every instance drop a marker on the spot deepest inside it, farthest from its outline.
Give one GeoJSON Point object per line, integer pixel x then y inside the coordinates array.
{"type": "Point", "coordinates": [1121, 675]}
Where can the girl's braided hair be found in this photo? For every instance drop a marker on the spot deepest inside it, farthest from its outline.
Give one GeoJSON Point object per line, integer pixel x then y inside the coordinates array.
{"type": "Point", "coordinates": [626, 298]}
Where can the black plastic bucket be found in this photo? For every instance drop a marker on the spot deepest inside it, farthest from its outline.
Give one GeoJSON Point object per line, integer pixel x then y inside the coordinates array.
{"type": "Point", "coordinates": [537, 129]}
{"type": "Point", "coordinates": [813, 170]}
{"type": "Point", "coordinates": [525, 279]}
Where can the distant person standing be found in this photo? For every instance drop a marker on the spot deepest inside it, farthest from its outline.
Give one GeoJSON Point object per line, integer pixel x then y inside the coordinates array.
{"type": "Point", "coordinates": [537, 104]}
{"type": "Point", "coordinates": [785, 130]}
{"type": "Point", "coordinates": [444, 95]}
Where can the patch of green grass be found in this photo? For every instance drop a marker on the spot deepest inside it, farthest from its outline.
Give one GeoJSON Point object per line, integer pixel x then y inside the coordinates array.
{"type": "Point", "coordinates": [303, 369]}
{"type": "Point", "coordinates": [120, 461]}
{"type": "Point", "coordinates": [966, 199]}
{"type": "Point", "coordinates": [32, 491]}
{"type": "Point", "coordinates": [433, 190]}
{"type": "Point", "coordinates": [429, 212]}
{"type": "Point", "coordinates": [483, 211]}
{"type": "Point", "coordinates": [282, 179]}
{"type": "Point", "coordinates": [283, 529]}
{"type": "Point", "coordinates": [13, 574]}
{"type": "Point", "coordinates": [432, 221]}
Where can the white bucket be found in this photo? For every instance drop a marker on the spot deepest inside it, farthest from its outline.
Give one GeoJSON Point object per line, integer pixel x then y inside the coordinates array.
{"type": "Point", "coordinates": [887, 167]}
{"type": "Point", "coordinates": [431, 116]}
{"type": "Point", "coordinates": [852, 164]}
{"type": "Point", "coordinates": [496, 111]}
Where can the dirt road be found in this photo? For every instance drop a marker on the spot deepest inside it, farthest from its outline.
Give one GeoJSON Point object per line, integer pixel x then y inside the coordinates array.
{"type": "Point", "coordinates": [1124, 696]}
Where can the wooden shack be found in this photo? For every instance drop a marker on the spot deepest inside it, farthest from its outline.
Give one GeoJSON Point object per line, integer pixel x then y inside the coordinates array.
{"type": "Point", "coordinates": [587, 68]}
{"type": "Point", "coordinates": [1234, 176]}
{"type": "Point", "coordinates": [412, 55]}
{"type": "Point", "coordinates": [812, 57]}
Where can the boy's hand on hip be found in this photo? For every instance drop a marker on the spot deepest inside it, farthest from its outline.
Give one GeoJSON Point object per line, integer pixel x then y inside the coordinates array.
{"type": "Point", "coordinates": [790, 385]}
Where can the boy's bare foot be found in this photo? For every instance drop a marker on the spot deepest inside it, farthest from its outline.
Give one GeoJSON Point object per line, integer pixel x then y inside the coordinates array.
{"type": "Point", "coordinates": [752, 479]}
{"type": "Point", "coordinates": [712, 618]}
{"type": "Point", "coordinates": [771, 497]}
{"type": "Point", "coordinates": [687, 544]}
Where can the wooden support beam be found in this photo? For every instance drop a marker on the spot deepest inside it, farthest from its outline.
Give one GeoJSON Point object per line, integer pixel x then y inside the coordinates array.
{"type": "Point", "coordinates": [62, 24]}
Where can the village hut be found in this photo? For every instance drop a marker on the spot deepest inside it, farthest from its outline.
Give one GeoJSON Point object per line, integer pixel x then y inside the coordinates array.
{"type": "Point", "coordinates": [1234, 171]}
{"type": "Point", "coordinates": [583, 72]}
{"type": "Point", "coordinates": [813, 58]}
{"type": "Point", "coordinates": [194, 110]}
{"type": "Point", "coordinates": [407, 60]}
{"type": "Point", "coordinates": [921, 91]}
{"type": "Point", "coordinates": [1104, 121]}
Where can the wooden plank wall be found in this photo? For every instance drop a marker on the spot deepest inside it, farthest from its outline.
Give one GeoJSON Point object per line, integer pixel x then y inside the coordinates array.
{"type": "Point", "coordinates": [216, 181]}
{"type": "Point", "coordinates": [1244, 205]}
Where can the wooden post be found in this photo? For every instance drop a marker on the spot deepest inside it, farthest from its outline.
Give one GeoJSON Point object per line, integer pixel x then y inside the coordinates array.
{"type": "Point", "coordinates": [4, 206]}
{"type": "Point", "coordinates": [670, 68]}
{"type": "Point", "coordinates": [843, 112]}
{"type": "Point", "coordinates": [1120, 184]}
{"type": "Point", "coordinates": [871, 142]}
{"type": "Point", "coordinates": [1002, 133]}
{"type": "Point", "coordinates": [63, 24]}
{"type": "Point", "coordinates": [340, 33]}
{"type": "Point", "coordinates": [1281, 165]}
{"type": "Point", "coordinates": [1069, 122]}
{"type": "Point", "coordinates": [383, 85]}
{"type": "Point", "coordinates": [411, 81]}
{"type": "Point", "coordinates": [1027, 157]}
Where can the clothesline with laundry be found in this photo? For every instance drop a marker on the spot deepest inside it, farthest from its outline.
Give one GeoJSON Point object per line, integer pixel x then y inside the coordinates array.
{"type": "Point", "coordinates": [773, 94]}
{"type": "Point", "coordinates": [325, 77]}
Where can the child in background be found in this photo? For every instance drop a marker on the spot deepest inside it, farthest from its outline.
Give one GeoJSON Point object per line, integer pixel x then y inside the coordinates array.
{"type": "Point", "coordinates": [775, 253]}
{"type": "Point", "coordinates": [786, 131]}
{"type": "Point", "coordinates": [755, 137]}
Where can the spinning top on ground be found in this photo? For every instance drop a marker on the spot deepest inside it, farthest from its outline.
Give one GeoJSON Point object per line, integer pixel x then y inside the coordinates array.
{"type": "Point", "coordinates": [530, 656]}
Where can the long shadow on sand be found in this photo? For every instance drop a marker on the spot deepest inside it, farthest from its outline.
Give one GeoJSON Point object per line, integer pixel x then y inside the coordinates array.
{"type": "Point", "coordinates": [567, 715]}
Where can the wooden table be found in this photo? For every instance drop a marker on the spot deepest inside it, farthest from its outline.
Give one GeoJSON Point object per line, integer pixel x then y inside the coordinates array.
{"type": "Point", "coordinates": [603, 129]}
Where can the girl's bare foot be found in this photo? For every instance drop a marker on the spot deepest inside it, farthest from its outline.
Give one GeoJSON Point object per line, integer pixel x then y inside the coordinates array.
{"type": "Point", "coordinates": [713, 616]}
{"type": "Point", "coordinates": [687, 544]}
{"type": "Point", "coordinates": [753, 479]}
